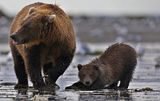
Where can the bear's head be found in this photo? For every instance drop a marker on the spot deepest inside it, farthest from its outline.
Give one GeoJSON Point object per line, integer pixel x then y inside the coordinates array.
{"type": "Point", "coordinates": [88, 74]}
{"type": "Point", "coordinates": [35, 26]}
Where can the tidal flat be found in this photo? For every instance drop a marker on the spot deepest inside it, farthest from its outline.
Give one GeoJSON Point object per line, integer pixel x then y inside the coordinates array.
{"type": "Point", "coordinates": [145, 85]}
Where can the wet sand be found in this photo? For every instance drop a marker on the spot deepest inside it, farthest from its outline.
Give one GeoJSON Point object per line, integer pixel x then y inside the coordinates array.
{"type": "Point", "coordinates": [145, 85]}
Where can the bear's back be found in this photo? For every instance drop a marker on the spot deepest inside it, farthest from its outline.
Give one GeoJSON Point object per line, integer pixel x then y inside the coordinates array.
{"type": "Point", "coordinates": [119, 59]}
{"type": "Point", "coordinates": [119, 56]}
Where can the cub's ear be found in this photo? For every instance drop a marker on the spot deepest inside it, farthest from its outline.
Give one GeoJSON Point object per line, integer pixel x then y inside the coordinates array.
{"type": "Point", "coordinates": [79, 66]}
{"type": "Point", "coordinates": [51, 18]}
{"type": "Point", "coordinates": [31, 10]}
{"type": "Point", "coordinates": [96, 67]}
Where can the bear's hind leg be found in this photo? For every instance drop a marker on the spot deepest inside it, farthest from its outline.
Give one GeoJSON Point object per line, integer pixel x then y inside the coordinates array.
{"type": "Point", "coordinates": [124, 82]}
{"type": "Point", "coordinates": [46, 67]}
{"type": "Point", "coordinates": [61, 65]}
{"type": "Point", "coordinates": [19, 69]}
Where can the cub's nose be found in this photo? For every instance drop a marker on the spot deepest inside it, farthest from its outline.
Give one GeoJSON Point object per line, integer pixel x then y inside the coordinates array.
{"type": "Point", "coordinates": [87, 83]}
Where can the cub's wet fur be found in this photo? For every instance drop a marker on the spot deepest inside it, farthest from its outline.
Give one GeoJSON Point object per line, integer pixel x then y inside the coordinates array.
{"type": "Point", "coordinates": [115, 65]}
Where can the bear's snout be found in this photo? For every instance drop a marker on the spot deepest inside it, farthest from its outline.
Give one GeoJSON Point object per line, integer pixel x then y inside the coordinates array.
{"type": "Point", "coordinates": [87, 83]}
{"type": "Point", "coordinates": [13, 37]}
{"type": "Point", "coordinates": [16, 39]}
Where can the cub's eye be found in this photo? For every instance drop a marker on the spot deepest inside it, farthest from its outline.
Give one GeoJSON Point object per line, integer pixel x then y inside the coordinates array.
{"type": "Point", "coordinates": [83, 75]}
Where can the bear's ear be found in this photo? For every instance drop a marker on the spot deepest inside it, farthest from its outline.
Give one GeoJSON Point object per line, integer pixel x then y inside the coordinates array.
{"type": "Point", "coordinates": [51, 18]}
{"type": "Point", "coordinates": [79, 66]}
{"type": "Point", "coordinates": [31, 10]}
{"type": "Point", "coordinates": [96, 67]}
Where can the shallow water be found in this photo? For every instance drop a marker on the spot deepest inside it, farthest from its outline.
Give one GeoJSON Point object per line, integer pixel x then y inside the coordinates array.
{"type": "Point", "coordinates": [145, 85]}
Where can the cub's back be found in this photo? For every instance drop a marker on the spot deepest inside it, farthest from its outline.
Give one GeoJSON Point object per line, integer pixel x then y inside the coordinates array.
{"type": "Point", "coordinates": [119, 54]}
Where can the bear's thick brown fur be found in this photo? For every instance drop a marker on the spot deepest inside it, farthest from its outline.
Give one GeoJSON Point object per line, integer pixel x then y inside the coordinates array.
{"type": "Point", "coordinates": [41, 37]}
{"type": "Point", "coordinates": [116, 64]}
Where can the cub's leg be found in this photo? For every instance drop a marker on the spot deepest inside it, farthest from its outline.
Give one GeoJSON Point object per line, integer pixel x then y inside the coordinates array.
{"type": "Point", "coordinates": [113, 86]}
{"type": "Point", "coordinates": [125, 80]}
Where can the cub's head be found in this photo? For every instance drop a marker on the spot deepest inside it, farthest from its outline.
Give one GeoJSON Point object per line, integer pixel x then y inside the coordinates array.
{"type": "Point", "coordinates": [88, 74]}
{"type": "Point", "coordinates": [35, 26]}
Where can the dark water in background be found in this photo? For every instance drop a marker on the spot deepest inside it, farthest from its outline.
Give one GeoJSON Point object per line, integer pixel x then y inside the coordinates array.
{"type": "Point", "coordinates": [145, 76]}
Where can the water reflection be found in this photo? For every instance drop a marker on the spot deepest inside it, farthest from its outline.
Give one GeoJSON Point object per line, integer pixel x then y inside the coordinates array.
{"type": "Point", "coordinates": [104, 96]}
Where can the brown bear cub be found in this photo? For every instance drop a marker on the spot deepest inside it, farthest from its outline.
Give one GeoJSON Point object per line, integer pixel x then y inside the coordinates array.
{"type": "Point", "coordinates": [41, 38]}
{"type": "Point", "coordinates": [116, 64]}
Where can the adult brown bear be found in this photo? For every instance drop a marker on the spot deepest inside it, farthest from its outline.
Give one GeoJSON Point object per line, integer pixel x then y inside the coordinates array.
{"type": "Point", "coordinates": [41, 37]}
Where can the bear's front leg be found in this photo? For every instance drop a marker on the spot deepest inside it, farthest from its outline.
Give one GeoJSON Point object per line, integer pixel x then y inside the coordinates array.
{"type": "Point", "coordinates": [19, 69]}
{"type": "Point", "coordinates": [33, 64]}
{"type": "Point", "coordinates": [78, 86]}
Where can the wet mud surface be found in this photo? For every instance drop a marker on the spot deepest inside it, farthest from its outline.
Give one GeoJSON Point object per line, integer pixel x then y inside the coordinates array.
{"type": "Point", "coordinates": [145, 85]}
